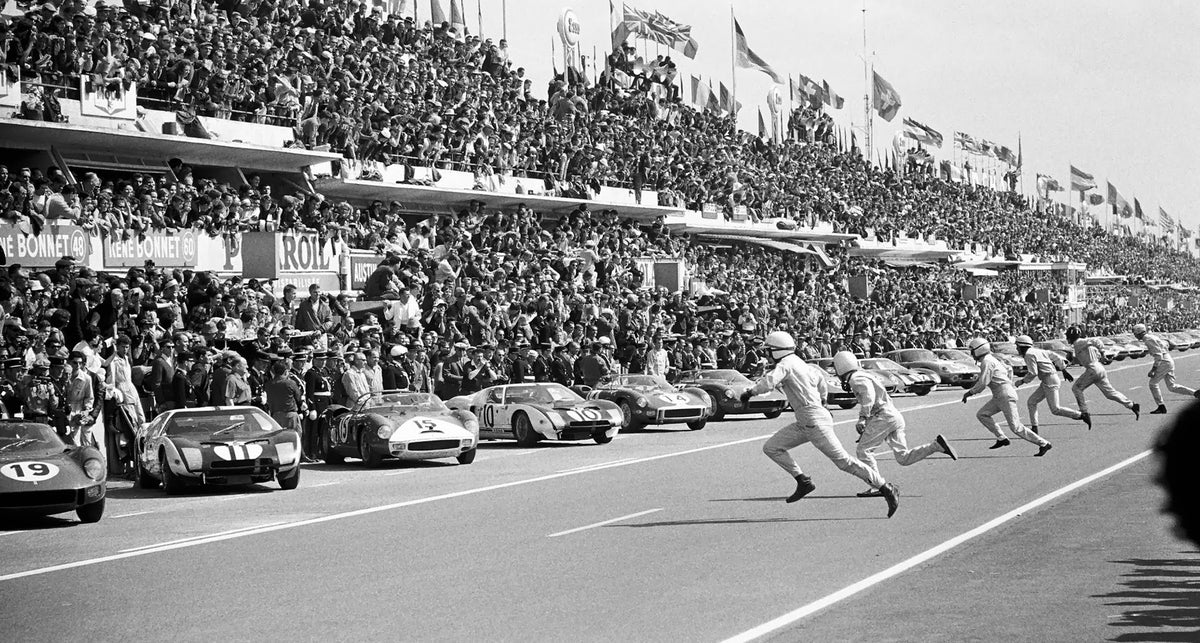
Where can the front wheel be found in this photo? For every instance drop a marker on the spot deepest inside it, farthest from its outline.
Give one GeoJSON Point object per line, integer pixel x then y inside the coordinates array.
{"type": "Point", "coordinates": [329, 454]}
{"type": "Point", "coordinates": [466, 457]}
{"type": "Point", "coordinates": [170, 482]}
{"type": "Point", "coordinates": [629, 423]}
{"type": "Point", "coordinates": [696, 425]}
{"type": "Point", "coordinates": [846, 404]}
{"type": "Point", "coordinates": [365, 453]}
{"type": "Point", "coordinates": [601, 437]}
{"type": "Point", "coordinates": [289, 482]}
{"type": "Point", "coordinates": [923, 391]}
{"type": "Point", "coordinates": [523, 430]}
{"type": "Point", "coordinates": [92, 512]}
{"type": "Point", "coordinates": [144, 479]}
{"type": "Point", "coordinates": [771, 415]}
{"type": "Point", "coordinates": [718, 413]}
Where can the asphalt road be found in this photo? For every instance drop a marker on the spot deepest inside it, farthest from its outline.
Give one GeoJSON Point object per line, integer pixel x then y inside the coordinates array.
{"type": "Point", "coordinates": [660, 535]}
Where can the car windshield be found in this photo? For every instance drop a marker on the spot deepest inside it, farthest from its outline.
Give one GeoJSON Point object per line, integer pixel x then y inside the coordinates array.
{"type": "Point", "coordinates": [881, 364]}
{"type": "Point", "coordinates": [1056, 343]}
{"type": "Point", "coordinates": [722, 375]}
{"type": "Point", "coordinates": [227, 422]}
{"type": "Point", "coordinates": [400, 401]}
{"type": "Point", "coordinates": [642, 382]}
{"type": "Point", "coordinates": [917, 356]}
{"type": "Point", "coordinates": [26, 437]}
{"type": "Point", "coordinates": [955, 354]}
{"type": "Point", "coordinates": [540, 394]}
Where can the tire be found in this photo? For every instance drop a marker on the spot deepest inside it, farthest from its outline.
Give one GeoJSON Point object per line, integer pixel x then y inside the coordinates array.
{"type": "Point", "coordinates": [843, 404]}
{"type": "Point", "coordinates": [698, 424]}
{"type": "Point", "coordinates": [91, 513]}
{"type": "Point", "coordinates": [466, 457]}
{"type": "Point", "coordinates": [369, 458]}
{"type": "Point", "coordinates": [523, 430]}
{"type": "Point", "coordinates": [773, 414]}
{"type": "Point", "coordinates": [290, 482]}
{"type": "Point", "coordinates": [718, 413]}
{"type": "Point", "coordinates": [329, 454]}
{"type": "Point", "coordinates": [144, 479]}
{"type": "Point", "coordinates": [601, 437]}
{"type": "Point", "coordinates": [923, 391]}
{"type": "Point", "coordinates": [629, 423]}
{"type": "Point", "coordinates": [170, 482]}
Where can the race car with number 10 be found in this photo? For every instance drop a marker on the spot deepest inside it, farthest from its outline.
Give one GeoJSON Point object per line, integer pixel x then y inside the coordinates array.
{"type": "Point", "coordinates": [533, 412]}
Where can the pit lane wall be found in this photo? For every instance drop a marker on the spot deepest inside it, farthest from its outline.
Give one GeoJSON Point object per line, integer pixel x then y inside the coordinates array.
{"type": "Point", "coordinates": [283, 258]}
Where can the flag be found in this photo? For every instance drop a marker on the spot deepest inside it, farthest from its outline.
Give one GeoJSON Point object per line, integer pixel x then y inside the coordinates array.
{"type": "Point", "coordinates": [966, 143]}
{"type": "Point", "coordinates": [1081, 180]}
{"type": "Point", "coordinates": [1047, 184]}
{"type": "Point", "coordinates": [714, 102]}
{"type": "Point", "coordinates": [831, 97]}
{"type": "Point", "coordinates": [726, 98]}
{"type": "Point", "coordinates": [1020, 156]}
{"type": "Point", "coordinates": [922, 133]}
{"type": "Point", "coordinates": [457, 21]}
{"type": "Point", "coordinates": [1137, 210]}
{"type": "Point", "coordinates": [1119, 205]}
{"type": "Point", "coordinates": [1095, 199]}
{"type": "Point", "coordinates": [1006, 155]}
{"type": "Point", "coordinates": [762, 125]}
{"type": "Point", "coordinates": [620, 32]}
{"type": "Point", "coordinates": [885, 99]}
{"type": "Point", "coordinates": [1165, 219]}
{"type": "Point", "coordinates": [806, 90]}
{"type": "Point", "coordinates": [675, 35]}
{"type": "Point", "coordinates": [438, 15]}
{"type": "Point", "coordinates": [989, 148]}
{"type": "Point", "coordinates": [747, 58]}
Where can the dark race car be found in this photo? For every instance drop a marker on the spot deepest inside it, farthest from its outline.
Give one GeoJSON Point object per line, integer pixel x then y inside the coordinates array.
{"type": "Point", "coordinates": [648, 399]}
{"type": "Point", "coordinates": [838, 395]}
{"type": "Point", "coordinates": [398, 424]}
{"type": "Point", "coordinates": [41, 474]}
{"type": "Point", "coordinates": [226, 445]}
{"type": "Point", "coordinates": [910, 380]}
{"type": "Point", "coordinates": [725, 387]}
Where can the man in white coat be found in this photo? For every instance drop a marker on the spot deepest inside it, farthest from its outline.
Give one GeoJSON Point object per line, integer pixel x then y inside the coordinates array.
{"type": "Point", "coordinates": [1163, 370]}
{"type": "Point", "coordinates": [996, 376]}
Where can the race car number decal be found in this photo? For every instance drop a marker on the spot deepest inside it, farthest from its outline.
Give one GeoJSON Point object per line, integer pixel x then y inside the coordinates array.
{"type": "Point", "coordinates": [583, 414]}
{"type": "Point", "coordinates": [340, 431]}
{"type": "Point", "coordinates": [488, 416]}
{"type": "Point", "coordinates": [673, 398]}
{"type": "Point", "coordinates": [29, 471]}
{"type": "Point", "coordinates": [427, 426]}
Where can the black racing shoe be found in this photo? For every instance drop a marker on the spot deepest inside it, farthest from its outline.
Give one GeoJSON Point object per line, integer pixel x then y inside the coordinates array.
{"type": "Point", "coordinates": [1196, 395]}
{"type": "Point", "coordinates": [1034, 428]}
{"type": "Point", "coordinates": [1045, 448]}
{"type": "Point", "coordinates": [941, 441]}
{"type": "Point", "coordinates": [1137, 411]}
{"type": "Point", "coordinates": [1161, 410]}
{"type": "Point", "coordinates": [804, 486]}
{"type": "Point", "coordinates": [869, 493]}
{"type": "Point", "coordinates": [1086, 418]}
{"type": "Point", "coordinates": [891, 493]}
{"type": "Point", "coordinates": [1000, 444]}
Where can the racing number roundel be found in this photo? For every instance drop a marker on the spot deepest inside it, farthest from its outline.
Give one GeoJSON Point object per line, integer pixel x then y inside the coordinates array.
{"type": "Point", "coordinates": [29, 471]}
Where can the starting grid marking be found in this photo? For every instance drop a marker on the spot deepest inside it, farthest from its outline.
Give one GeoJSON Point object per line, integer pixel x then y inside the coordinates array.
{"type": "Point", "coordinates": [223, 536]}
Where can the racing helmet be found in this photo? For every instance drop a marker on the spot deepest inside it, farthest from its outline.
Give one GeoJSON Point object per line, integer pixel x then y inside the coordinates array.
{"type": "Point", "coordinates": [1024, 343]}
{"type": "Point", "coordinates": [1139, 330]}
{"type": "Point", "coordinates": [979, 347]}
{"type": "Point", "coordinates": [1073, 334]}
{"type": "Point", "coordinates": [779, 344]}
{"type": "Point", "coordinates": [845, 363]}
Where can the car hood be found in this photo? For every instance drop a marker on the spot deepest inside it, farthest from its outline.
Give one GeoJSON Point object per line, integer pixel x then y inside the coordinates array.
{"type": "Point", "coordinates": [198, 439]}
{"type": "Point", "coordinates": [435, 426]}
{"type": "Point", "coordinates": [65, 472]}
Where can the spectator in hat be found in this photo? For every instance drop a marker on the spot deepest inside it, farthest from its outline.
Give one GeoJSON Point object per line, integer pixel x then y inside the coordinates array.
{"type": "Point", "coordinates": [41, 397]}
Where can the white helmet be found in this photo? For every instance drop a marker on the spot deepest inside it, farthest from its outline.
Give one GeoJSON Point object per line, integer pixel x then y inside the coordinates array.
{"type": "Point", "coordinates": [979, 347]}
{"type": "Point", "coordinates": [780, 342]}
{"type": "Point", "coordinates": [1024, 341]}
{"type": "Point", "coordinates": [1139, 330]}
{"type": "Point", "coordinates": [845, 363]}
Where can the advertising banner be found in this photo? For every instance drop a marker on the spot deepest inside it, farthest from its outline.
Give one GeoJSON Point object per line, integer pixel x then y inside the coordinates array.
{"type": "Point", "coordinates": [361, 267]}
{"type": "Point", "coordinates": [166, 250]}
{"type": "Point", "coordinates": [42, 250]}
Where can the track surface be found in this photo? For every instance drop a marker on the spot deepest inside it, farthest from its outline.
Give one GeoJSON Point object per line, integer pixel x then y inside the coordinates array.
{"type": "Point", "coordinates": [660, 535]}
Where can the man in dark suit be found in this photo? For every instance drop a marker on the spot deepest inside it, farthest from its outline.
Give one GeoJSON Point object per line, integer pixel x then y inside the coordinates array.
{"type": "Point", "coordinates": [159, 381]}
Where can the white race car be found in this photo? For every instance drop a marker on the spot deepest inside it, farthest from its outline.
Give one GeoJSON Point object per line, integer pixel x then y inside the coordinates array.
{"type": "Point", "coordinates": [532, 412]}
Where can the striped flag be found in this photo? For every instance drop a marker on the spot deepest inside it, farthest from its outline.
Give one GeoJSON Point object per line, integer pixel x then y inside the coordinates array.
{"type": "Point", "coordinates": [1165, 219]}
{"type": "Point", "coordinates": [1137, 210]}
{"type": "Point", "coordinates": [1047, 184]}
{"type": "Point", "coordinates": [922, 133]}
{"type": "Point", "coordinates": [966, 143]}
{"type": "Point", "coordinates": [885, 99]}
{"type": "Point", "coordinates": [746, 57]}
{"type": "Point", "coordinates": [437, 14]}
{"type": "Point", "coordinates": [831, 97]}
{"type": "Point", "coordinates": [1119, 205]}
{"type": "Point", "coordinates": [1081, 180]}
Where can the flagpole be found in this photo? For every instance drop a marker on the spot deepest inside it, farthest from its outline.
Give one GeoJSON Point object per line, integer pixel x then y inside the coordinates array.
{"type": "Point", "coordinates": [504, 19]}
{"type": "Point", "coordinates": [479, 13]}
{"type": "Point", "coordinates": [867, 69]}
{"type": "Point", "coordinates": [733, 61]}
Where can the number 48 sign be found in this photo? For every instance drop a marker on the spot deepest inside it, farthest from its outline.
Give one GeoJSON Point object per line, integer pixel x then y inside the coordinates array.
{"type": "Point", "coordinates": [29, 471]}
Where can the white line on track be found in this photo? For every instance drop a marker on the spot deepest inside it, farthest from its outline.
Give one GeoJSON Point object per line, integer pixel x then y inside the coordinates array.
{"type": "Point", "coordinates": [324, 484]}
{"type": "Point", "coordinates": [136, 513]}
{"type": "Point", "coordinates": [899, 568]}
{"type": "Point", "coordinates": [598, 465]}
{"type": "Point", "coordinates": [394, 473]}
{"type": "Point", "coordinates": [603, 522]}
{"type": "Point", "coordinates": [222, 536]}
{"type": "Point", "coordinates": [171, 544]}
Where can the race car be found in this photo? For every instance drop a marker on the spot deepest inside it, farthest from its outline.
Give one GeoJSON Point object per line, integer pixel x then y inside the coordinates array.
{"type": "Point", "coordinates": [838, 395]}
{"type": "Point", "coordinates": [397, 424]}
{"type": "Point", "coordinates": [918, 381]}
{"type": "Point", "coordinates": [725, 386]}
{"type": "Point", "coordinates": [215, 445]}
{"type": "Point", "coordinates": [1060, 346]}
{"type": "Point", "coordinates": [649, 399]}
{"type": "Point", "coordinates": [533, 412]}
{"type": "Point", "coordinates": [41, 474]}
{"type": "Point", "coordinates": [1007, 353]}
{"type": "Point", "coordinates": [948, 364]}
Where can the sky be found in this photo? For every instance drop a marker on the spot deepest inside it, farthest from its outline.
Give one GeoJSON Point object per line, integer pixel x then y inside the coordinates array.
{"type": "Point", "coordinates": [1111, 87]}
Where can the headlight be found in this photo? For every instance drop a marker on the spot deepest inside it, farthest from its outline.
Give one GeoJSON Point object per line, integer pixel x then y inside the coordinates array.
{"type": "Point", "coordinates": [466, 443]}
{"type": "Point", "coordinates": [385, 432]}
{"type": "Point", "coordinates": [471, 424]}
{"type": "Point", "coordinates": [641, 402]}
{"type": "Point", "coordinates": [729, 394]}
{"type": "Point", "coordinates": [93, 468]}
